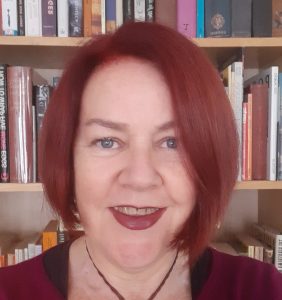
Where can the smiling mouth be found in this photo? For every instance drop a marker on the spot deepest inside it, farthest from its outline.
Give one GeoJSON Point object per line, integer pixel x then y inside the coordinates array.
{"type": "Point", "coordinates": [134, 211]}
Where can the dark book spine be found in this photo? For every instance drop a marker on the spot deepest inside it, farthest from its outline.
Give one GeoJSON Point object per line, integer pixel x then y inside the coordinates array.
{"type": "Point", "coordinates": [128, 10]}
{"type": "Point", "coordinates": [262, 18]}
{"type": "Point", "coordinates": [21, 20]}
{"type": "Point", "coordinates": [4, 151]}
{"type": "Point", "coordinates": [150, 10]}
{"type": "Point", "coordinates": [241, 18]}
{"type": "Point", "coordinates": [49, 17]}
{"type": "Point", "coordinates": [217, 18]}
{"type": "Point", "coordinates": [75, 18]}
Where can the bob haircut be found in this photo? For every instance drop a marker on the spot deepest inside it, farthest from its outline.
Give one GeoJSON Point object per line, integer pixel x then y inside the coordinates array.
{"type": "Point", "coordinates": [203, 115]}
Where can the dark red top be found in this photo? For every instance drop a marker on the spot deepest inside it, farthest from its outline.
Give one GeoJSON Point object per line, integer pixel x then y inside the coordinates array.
{"type": "Point", "coordinates": [215, 276]}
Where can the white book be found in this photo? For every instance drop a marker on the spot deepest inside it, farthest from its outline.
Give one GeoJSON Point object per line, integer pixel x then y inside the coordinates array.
{"type": "Point", "coordinates": [119, 13]}
{"type": "Point", "coordinates": [33, 18]}
{"type": "Point", "coordinates": [270, 76]}
{"type": "Point", "coordinates": [139, 10]}
{"type": "Point", "coordinates": [38, 249]}
{"type": "Point", "coordinates": [9, 17]}
{"type": "Point", "coordinates": [63, 18]}
{"type": "Point", "coordinates": [103, 16]}
{"type": "Point", "coordinates": [31, 250]}
{"type": "Point", "coordinates": [236, 103]}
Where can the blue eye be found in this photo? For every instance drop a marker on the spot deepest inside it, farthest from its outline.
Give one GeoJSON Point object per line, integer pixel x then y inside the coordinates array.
{"type": "Point", "coordinates": [107, 143]}
{"type": "Point", "coordinates": [170, 143]}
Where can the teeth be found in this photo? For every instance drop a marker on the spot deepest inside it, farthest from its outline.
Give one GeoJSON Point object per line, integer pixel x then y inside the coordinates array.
{"type": "Point", "coordinates": [132, 211]}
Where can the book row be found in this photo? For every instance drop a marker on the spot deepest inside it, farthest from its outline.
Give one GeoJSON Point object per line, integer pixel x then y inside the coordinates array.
{"type": "Point", "coordinates": [22, 107]}
{"type": "Point", "coordinates": [73, 18]}
{"type": "Point", "coordinates": [226, 18]}
{"type": "Point", "coordinates": [257, 107]}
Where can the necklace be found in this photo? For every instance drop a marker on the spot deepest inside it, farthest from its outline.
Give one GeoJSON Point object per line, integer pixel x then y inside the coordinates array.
{"type": "Point", "coordinates": [115, 291]}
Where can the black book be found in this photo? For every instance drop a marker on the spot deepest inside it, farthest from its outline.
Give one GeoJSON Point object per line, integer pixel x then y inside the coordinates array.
{"type": "Point", "coordinates": [150, 10]}
{"type": "Point", "coordinates": [21, 19]}
{"type": "Point", "coordinates": [262, 18]}
{"type": "Point", "coordinates": [128, 10]}
{"type": "Point", "coordinates": [4, 148]}
{"type": "Point", "coordinates": [217, 18]}
{"type": "Point", "coordinates": [75, 18]}
{"type": "Point", "coordinates": [241, 18]}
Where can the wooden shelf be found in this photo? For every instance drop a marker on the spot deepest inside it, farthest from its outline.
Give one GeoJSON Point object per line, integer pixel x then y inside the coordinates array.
{"type": "Point", "coordinates": [20, 187]}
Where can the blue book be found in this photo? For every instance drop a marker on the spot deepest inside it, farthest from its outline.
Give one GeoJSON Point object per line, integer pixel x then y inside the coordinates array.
{"type": "Point", "coordinates": [200, 19]}
{"type": "Point", "coordinates": [110, 16]}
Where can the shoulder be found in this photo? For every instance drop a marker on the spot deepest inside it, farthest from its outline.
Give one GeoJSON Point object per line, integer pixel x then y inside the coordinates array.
{"type": "Point", "coordinates": [237, 277]}
{"type": "Point", "coordinates": [27, 280]}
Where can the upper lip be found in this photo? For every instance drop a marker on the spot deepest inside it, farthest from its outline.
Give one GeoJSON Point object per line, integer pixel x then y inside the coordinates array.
{"type": "Point", "coordinates": [138, 207]}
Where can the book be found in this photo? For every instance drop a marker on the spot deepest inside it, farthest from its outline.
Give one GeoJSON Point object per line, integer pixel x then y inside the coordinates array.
{"type": "Point", "coordinates": [49, 17]}
{"type": "Point", "coordinates": [128, 10]}
{"type": "Point", "coordinates": [1, 24]}
{"type": "Point", "coordinates": [4, 143]}
{"type": "Point", "coordinates": [150, 10]}
{"type": "Point", "coordinates": [241, 18]}
{"type": "Point", "coordinates": [96, 18]}
{"type": "Point", "coordinates": [200, 33]}
{"type": "Point", "coordinates": [261, 18]}
{"type": "Point", "coordinates": [270, 77]}
{"type": "Point", "coordinates": [62, 18]}
{"type": "Point", "coordinates": [279, 130]}
{"type": "Point", "coordinates": [244, 168]}
{"type": "Point", "coordinates": [253, 246]}
{"type": "Point", "coordinates": [250, 138]}
{"type": "Point", "coordinates": [21, 21]}
{"type": "Point", "coordinates": [50, 235]}
{"type": "Point", "coordinates": [110, 16]}
{"type": "Point", "coordinates": [75, 18]}
{"type": "Point", "coordinates": [276, 18]}
{"type": "Point", "coordinates": [33, 18]}
{"type": "Point", "coordinates": [119, 13]}
{"type": "Point", "coordinates": [259, 130]}
{"type": "Point", "coordinates": [165, 12]}
{"type": "Point", "coordinates": [139, 11]}
{"type": "Point", "coordinates": [186, 17]}
{"type": "Point", "coordinates": [217, 18]}
{"type": "Point", "coordinates": [20, 123]}
{"type": "Point", "coordinates": [87, 15]}
{"type": "Point", "coordinates": [9, 17]}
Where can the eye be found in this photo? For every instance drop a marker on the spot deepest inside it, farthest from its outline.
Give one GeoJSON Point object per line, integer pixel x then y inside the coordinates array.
{"type": "Point", "coordinates": [106, 143]}
{"type": "Point", "coordinates": [169, 142]}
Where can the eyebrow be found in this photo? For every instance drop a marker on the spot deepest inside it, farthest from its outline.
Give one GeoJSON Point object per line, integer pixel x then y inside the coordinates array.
{"type": "Point", "coordinates": [122, 126]}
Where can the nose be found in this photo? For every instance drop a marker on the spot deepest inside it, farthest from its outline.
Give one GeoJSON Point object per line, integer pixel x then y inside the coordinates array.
{"type": "Point", "coordinates": [140, 172]}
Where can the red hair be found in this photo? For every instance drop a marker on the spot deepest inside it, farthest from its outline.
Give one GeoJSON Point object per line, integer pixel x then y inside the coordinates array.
{"type": "Point", "coordinates": [203, 116]}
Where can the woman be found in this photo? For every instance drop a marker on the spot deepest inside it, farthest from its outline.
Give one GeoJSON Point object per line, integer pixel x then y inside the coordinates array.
{"type": "Point", "coordinates": [139, 146]}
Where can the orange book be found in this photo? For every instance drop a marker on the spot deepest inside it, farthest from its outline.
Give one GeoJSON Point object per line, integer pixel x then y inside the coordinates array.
{"type": "Point", "coordinates": [50, 235]}
{"type": "Point", "coordinates": [2, 261]}
{"type": "Point", "coordinates": [96, 18]}
{"type": "Point", "coordinates": [87, 15]}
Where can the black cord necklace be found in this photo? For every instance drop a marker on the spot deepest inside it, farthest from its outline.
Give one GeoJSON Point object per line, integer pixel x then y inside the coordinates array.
{"type": "Point", "coordinates": [119, 296]}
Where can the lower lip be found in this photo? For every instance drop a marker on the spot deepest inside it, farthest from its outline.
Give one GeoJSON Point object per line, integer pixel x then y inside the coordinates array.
{"type": "Point", "coordinates": [137, 222]}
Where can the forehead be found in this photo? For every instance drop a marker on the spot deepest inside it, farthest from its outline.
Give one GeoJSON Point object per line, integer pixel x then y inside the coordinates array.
{"type": "Point", "coordinates": [125, 89]}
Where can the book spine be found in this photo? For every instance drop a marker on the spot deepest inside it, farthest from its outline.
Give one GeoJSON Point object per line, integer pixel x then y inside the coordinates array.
{"type": "Point", "coordinates": [186, 17]}
{"type": "Point", "coordinates": [87, 14]}
{"type": "Point", "coordinates": [278, 252]}
{"type": "Point", "coordinates": [75, 18]}
{"type": "Point", "coordinates": [1, 25]}
{"type": "Point", "coordinates": [49, 240]}
{"type": "Point", "coordinates": [20, 123]}
{"type": "Point", "coordinates": [200, 19]}
{"type": "Point", "coordinates": [250, 138]}
{"type": "Point", "coordinates": [150, 10]}
{"type": "Point", "coordinates": [276, 18]}
{"type": "Point", "coordinates": [34, 146]}
{"type": "Point", "coordinates": [241, 18]}
{"type": "Point", "coordinates": [139, 11]}
{"type": "Point", "coordinates": [261, 18]}
{"type": "Point", "coordinates": [217, 18]}
{"type": "Point", "coordinates": [110, 16]}
{"type": "Point", "coordinates": [63, 18]}
{"type": "Point", "coordinates": [20, 8]}
{"type": "Point", "coordinates": [49, 18]}
{"type": "Point", "coordinates": [96, 18]}
{"type": "Point", "coordinates": [259, 131]}
{"type": "Point", "coordinates": [33, 18]}
{"type": "Point", "coordinates": [4, 151]}
{"type": "Point", "coordinates": [119, 13]}
{"type": "Point", "coordinates": [128, 10]}
{"type": "Point", "coordinates": [244, 140]}
{"type": "Point", "coordinates": [9, 17]}
{"type": "Point", "coordinates": [103, 16]}
{"type": "Point", "coordinates": [279, 130]}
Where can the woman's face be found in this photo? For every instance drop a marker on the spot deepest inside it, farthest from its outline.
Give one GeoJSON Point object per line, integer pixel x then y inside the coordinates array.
{"type": "Point", "coordinates": [132, 191]}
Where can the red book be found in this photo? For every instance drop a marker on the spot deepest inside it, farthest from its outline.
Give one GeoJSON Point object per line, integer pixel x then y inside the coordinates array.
{"type": "Point", "coordinates": [186, 17]}
{"type": "Point", "coordinates": [245, 140]}
{"type": "Point", "coordinates": [20, 123]}
{"type": "Point", "coordinates": [259, 130]}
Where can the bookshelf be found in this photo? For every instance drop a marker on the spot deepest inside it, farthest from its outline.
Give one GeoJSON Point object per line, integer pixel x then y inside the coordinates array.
{"type": "Point", "coordinates": [54, 52]}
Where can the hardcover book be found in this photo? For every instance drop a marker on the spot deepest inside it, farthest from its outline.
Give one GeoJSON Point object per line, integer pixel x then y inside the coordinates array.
{"type": "Point", "coordinates": [21, 21]}
{"type": "Point", "coordinates": [9, 17]}
{"type": "Point", "coordinates": [150, 10]}
{"type": "Point", "coordinates": [186, 17]}
{"type": "Point", "coordinates": [20, 123]}
{"type": "Point", "coordinates": [139, 11]}
{"type": "Point", "coordinates": [63, 18]}
{"type": "Point", "coordinates": [75, 18]}
{"type": "Point", "coordinates": [270, 77]}
{"type": "Point", "coordinates": [279, 135]}
{"type": "Point", "coordinates": [110, 16]}
{"type": "Point", "coordinates": [33, 18]}
{"type": "Point", "coordinates": [96, 18]}
{"type": "Point", "coordinates": [87, 15]}
{"type": "Point", "coordinates": [200, 19]}
{"type": "Point", "coordinates": [276, 18]}
{"type": "Point", "coordinates": [4, 149]}
{"type": "Point", "coordinates": [128, 10]}
{"type": "Point", "coordinates": [165, 13]}
{"type": "Point", "coordinates": [217, 18]}
{"type": "Point", "coordinates": [241, 18]}
{"type": "Point", "coordinates": [119, 13]}
{"type": "Point", "coordinates": [261, 18]}
{"type": "Point", "coordinates": [49, 18]}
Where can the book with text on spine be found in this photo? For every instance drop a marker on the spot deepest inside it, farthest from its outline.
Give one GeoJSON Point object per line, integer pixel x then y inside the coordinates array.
{"type": "Point", "coordinates": [186, 17]}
